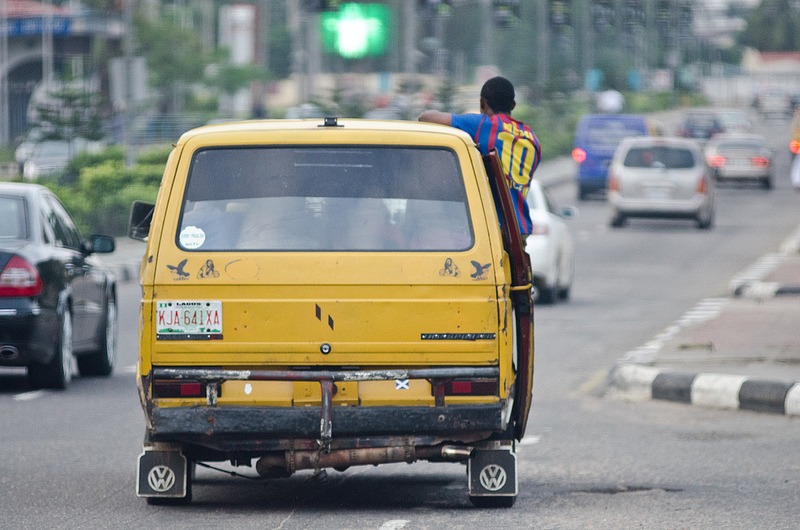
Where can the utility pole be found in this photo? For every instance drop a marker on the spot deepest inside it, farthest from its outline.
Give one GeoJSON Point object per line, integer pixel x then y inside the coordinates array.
{"type": "Point", "coordinates": [47, 47]}
{"type": "Point", "coordinates": [127, 113]}
{"type": "Point", "coordinates": [5, 70]}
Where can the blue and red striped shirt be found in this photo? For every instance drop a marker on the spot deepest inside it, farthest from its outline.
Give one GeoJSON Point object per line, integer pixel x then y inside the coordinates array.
{"type": "Point", "coordinates": [518, 149]}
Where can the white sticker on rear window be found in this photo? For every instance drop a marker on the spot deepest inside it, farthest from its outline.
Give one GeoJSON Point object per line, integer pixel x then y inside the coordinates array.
{"type": "Point", "coordinates": [192, 237]}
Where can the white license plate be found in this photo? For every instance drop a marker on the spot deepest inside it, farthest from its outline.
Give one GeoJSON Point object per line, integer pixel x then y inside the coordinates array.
{"type": "Point", "coordinates": [189, 319]}
{"type": "Point", "coordinates": [657, 193]}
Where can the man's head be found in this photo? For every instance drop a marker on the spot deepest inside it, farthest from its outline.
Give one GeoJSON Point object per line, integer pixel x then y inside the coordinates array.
{"type": "Point", "coordinates": [497, 96]}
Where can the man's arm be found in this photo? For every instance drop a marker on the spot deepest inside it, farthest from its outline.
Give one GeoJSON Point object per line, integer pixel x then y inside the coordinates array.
{"type": "Point", "coordinates": [436, 116]}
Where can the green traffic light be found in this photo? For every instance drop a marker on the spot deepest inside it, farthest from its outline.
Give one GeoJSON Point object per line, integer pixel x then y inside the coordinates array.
{"type": "Point", "coordinates": [356, 30]}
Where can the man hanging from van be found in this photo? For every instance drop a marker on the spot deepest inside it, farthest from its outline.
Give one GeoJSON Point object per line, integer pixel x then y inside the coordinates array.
{"type": "Point", "coordinates": [516, 144]}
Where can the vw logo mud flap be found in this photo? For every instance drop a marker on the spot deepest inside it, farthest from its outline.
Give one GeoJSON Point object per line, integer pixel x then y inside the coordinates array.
{"type": "Point", "coordinates": [492, 472]}
{"type": "Point", "coordinates": [161, 474]}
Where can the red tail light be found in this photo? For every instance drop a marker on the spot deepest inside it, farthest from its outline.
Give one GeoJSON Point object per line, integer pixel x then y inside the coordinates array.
{"type": "Point", "coordinates": [578, 155]}
{"type": "Point", "coordinates": [178, 389]}
{"type": "Point", "coordinates": [760, 161]}
{"type": "Point", "coordinates": [20, 279]}
{"type": "Point", "coordinates": [716, 161]}
{"type": "Point", "coordinates": [794, 146]}
{"type": "Point", "coordinates": [540, 229]}
{"type": "Point", "coordinates": [613, 182]}
{"type": "Point", "coordinates": [471, 387]}
{"type": "Point", "coordinates": [702, 185]}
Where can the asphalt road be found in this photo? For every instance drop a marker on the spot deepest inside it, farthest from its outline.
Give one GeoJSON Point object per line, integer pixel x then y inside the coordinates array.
{"type": "Point", "coordinates": [68, 458]}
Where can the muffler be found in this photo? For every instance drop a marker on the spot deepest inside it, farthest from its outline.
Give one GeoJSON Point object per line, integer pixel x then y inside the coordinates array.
{"type": "Point", "coordinates": [8, 352]}
{"type": "Point", "coordinates": [280, 465]}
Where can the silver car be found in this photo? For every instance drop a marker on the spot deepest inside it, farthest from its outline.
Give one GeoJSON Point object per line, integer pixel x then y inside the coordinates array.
{"type": "Point", "coordinates": [737, 157]}
{"type": "Point", "coordinates": [660, 177]}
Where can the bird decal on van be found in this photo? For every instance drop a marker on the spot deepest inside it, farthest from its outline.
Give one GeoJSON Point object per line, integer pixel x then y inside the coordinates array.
{"type": "Point", "coordinates": [480, 270]}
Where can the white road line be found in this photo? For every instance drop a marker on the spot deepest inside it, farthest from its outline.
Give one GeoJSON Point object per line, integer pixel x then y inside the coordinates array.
{"type": "Point", "coordinates": [531, 439]}
{"type": "Point", "coordinates": [394, 524]}
{"type": "Point", "coordinates": [129, 369]}
{"type": "Point", "coordinates": [27, 396]}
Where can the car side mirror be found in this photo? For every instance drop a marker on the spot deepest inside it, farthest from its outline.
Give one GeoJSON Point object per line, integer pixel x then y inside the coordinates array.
{"type": "Point", "coordinates": [102, 244]}
{"type": "Point", "coordinates": [141, 217]}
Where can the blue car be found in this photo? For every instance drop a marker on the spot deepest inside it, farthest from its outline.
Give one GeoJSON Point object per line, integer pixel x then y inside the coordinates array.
{"type": "Point", "coordinates": [596, 138]}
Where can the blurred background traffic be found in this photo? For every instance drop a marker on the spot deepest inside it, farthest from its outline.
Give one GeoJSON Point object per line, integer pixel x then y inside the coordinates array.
{"type": "Point", "coordinates": [93, 93]}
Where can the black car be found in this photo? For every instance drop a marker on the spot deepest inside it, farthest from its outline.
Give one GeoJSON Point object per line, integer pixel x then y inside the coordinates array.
{"type": "Point", "coordinates": [57, 300]}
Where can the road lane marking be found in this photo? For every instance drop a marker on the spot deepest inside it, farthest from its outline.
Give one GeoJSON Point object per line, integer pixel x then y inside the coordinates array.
{"type": "Point", "coordinates": [394, 524]}
{"type": "Point", "coordinates": [27, 396]}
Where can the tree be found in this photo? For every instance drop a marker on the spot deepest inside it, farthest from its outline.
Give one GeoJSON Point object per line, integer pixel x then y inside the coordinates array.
{"type": "Point", "coordinates": [772, 27]}
{"type": "Point", "coordinates": [175, 56]}
{"type": "Point", "coordinates": [68, 112]}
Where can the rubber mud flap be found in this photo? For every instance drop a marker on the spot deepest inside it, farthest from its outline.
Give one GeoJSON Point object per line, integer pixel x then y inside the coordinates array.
{"type": "Point", "coordinates": [492, 473]}
{"type": "Point", "coordinates": [161, 474]}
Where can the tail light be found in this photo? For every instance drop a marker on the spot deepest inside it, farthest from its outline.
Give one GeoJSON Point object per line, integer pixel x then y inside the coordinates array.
{"type": "Point", "coordinates": [794, 146]}
{"type": "Point", "coordinates": [613, 182]}
{"type": "Point", "coordinates": [172, 388]}
{"type": "Point", "coordinates": [540, 229]}
{"type": "Point", "coordinates": [578, 155]}
{"type": "Point", "coordinates": [20, 278]}
{"type": "Point", "coordinates": [702, 184]}
{"type": "Point", "coordinates": [759, 161]}
{"type": "Point", "coordinates": [716, 161]}
{"type": "Point", "coordinates": [471, 387]}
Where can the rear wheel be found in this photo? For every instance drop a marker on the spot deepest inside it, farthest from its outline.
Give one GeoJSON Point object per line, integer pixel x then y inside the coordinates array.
{"type": "Point", "coordinates": [547, 294]}
{"type": "Point", "coordinates": [101, 362]}
{"type": "Point", "coordinates": [492, 502]}
{"type": "Point", "coordinates": [617, 220]}
{"type": "Point", "coordinates": [58, 372]}
{"type": "Point", "coordinates": [766, 183]}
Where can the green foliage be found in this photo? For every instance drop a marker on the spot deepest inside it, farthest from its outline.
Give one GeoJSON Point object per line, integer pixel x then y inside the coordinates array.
{"type": "Point", "coordinates": [174, 53]}
{"type": "Point", "coordinates": [155, 155]}
{"type": "Point", "coordinates": [229, 78]}
{"type": "Point", "coordinates": [772, 27]}
{"type": "Point", "coordinates": [101, 196]}
{"type": "Point", "coordinates": [68, 112]}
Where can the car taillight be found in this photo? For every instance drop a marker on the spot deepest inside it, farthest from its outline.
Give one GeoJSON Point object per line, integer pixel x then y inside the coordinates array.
{"type": "Point", "coordinates": [760, 161]}
{"type": "Point", "coordinates": [540, 229]}
{"type": "Point", "coordinates": [794, 146]}
{"type": "Point", "coordinates": [716, 161]}
{"type": "Point", "coordinates": [178, 389]}
{"type": "Point", "coordinates": [613, 182]}
{"type": "Point", "coordinates": [702, 185]}
{"type": "Point", "coordinates": [20, 278]}
{"type": "Point", "coordinates": [578, 155]}
{"type": "Point", "coordinates": [471, 387]}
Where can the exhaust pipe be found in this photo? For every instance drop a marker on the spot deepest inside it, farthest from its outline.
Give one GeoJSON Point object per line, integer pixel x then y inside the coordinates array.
{"type": "Point", "coordinates": [281, 465]}
{"type": "Point", "coordinates": [8, 352]}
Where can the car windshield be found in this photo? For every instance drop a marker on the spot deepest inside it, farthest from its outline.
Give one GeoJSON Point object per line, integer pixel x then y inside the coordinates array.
{"type": "Point", "coordinates": [325, 198]}
{"type": "Point", "coordinates": [659, 157]}
{"type": "Point", "coordinates": [12, 218]}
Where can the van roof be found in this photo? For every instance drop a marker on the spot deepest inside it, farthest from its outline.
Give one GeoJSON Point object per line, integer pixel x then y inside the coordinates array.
{"type": "Point", "coordinates": [318, 124]}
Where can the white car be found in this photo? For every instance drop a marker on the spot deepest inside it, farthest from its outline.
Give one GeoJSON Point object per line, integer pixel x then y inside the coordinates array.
{"type": "Point", "coordinates": [660, 177]}
{"type": "Point", "coordinates": [550, 246]}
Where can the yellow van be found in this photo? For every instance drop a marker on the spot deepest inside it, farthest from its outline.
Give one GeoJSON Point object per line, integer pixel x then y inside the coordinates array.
{"type": "Point", "coordinates": [326, 293]}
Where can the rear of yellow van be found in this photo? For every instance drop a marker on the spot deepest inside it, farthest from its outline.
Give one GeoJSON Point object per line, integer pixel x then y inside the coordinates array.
{"type": "Point", "coordinates": [324, 294]}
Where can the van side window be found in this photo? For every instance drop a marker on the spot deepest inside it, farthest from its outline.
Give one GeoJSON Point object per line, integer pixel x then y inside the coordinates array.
{"type": "Point", "coordinates": [325, 198]}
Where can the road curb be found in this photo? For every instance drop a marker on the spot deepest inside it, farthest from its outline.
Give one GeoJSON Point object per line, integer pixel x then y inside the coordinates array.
{"type": "Point", "coordinates": [726, 391]}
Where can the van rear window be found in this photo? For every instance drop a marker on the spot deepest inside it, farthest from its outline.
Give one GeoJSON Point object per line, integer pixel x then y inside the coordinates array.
{"type": "Point", "coordinates": [659, 157]}
{"type": "Point", "coordinates": [325, 198]}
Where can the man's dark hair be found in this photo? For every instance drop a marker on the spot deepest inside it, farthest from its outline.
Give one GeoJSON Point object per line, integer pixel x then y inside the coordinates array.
{"type": "Point", "coordinates": [499, 94]}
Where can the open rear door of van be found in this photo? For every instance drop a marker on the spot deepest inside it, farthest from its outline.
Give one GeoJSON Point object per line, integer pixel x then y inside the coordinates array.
{"type": "Point", "coordinates": [522, 279]}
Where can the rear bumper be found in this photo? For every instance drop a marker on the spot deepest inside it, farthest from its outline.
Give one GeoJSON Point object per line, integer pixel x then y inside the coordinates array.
{"type": "Point", "coordinates": [29, 330]}
{"type": "Point", "coordinates": [650, 208]}
{"type": "Point", "coordinates": [254, 429]}
{"type": "Point", "coordinates": [275, 428]}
